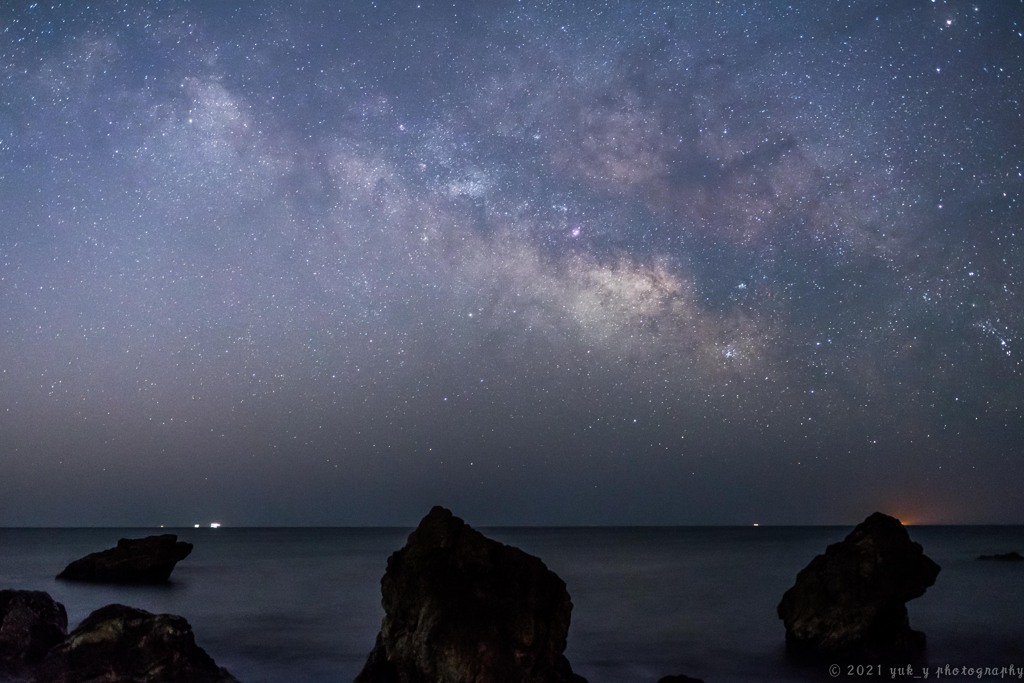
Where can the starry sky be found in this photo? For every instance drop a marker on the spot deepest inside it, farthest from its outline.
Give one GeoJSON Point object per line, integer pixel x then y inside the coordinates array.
{"type": "Point", "coordinates": [630, 262]}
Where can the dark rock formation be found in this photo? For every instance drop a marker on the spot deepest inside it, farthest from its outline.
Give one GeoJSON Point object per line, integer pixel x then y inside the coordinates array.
{"type": "Point", "coordinates": [31, 622]}
{"type": "Point", "coordinates": [680, 679]}
{"type": "Point", "coordinates": [119, 643]}
{"type": "Point", "coordinates": [462, 608]}
{"type": "Point", "coordinates": [850, 602]}
{"type": "Point", "coordinates": [140, 560]}
{"type": "Point", "coordinates": [1012, 556]}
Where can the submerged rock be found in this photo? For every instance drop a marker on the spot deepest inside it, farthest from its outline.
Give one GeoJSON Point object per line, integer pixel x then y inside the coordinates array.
{"type": "Point", "coordinates": [1012, 556]}
{"type": "Point", "coordinates": [140, 560]}
{"type": "Point", "coordinates": [462, 608]}
{"type": "Point", "coordinates": [31, 623]}
{"type": "Point", "coordinates": [119, 643]}
{"type": "Point", "coordinates": [850, 602]}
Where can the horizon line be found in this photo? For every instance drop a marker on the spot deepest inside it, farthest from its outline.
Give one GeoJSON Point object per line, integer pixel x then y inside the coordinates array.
{"type": "Point", "coordinates": [751, 525]}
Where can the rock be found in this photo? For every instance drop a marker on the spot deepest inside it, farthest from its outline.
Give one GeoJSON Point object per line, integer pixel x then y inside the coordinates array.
{"type": "Point", "coordinates": [850, 602]}
{"type": "Point", "coordinates": [139, 560]}
{"type": "Point", "coordinates": [680, 679]}
{"type": "Point", "coordinates": [1012, 556]}
{"type": "Point", "coordinates": [31, 622]}
{"type": "Point", "coordinates": [462, 608]}
{"type": "Point", "coordinates": [119, 643]}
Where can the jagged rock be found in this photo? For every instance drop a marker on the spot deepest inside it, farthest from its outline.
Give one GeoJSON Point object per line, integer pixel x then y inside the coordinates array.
{"type": "Point", "coordinates": [138, 560]}
{"type": "Point", "coordinates": [850, 602]}
{"type": "Point", "coordinates": [118, 643]}
{"type": "Point", "coordinates": [31, 622]}
{"type": "Point", "coordinates": [1012, 556]}
{"type": "Point", "coordinates": [462, 608]}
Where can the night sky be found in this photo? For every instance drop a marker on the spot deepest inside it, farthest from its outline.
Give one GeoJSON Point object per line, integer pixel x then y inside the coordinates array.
{"type": "Point", "coordinates": [331, 263]}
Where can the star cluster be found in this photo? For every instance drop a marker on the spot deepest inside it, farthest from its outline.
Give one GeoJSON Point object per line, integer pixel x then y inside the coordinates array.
{"type": "Point", "coordinates": [545, 263]}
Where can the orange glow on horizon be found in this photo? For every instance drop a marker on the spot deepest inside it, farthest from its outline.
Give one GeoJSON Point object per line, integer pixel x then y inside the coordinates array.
{"type": "Point", "coordinates": [917, 517]}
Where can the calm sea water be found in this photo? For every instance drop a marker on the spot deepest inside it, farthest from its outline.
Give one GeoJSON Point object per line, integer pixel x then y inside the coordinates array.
{"type": "Point", "coordinates": [303, 605]}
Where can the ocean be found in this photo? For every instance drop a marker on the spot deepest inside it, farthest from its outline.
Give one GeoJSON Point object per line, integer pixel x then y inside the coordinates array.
{"type": "Point", "coordinates": [303, 605]}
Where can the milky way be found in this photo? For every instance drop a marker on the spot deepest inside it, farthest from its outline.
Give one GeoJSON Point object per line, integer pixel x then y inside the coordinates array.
{"type": "Point", "coordinates": [544, 263]}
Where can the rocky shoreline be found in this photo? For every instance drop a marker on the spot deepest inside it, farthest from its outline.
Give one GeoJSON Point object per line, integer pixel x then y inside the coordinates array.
{"type": "Point", "coordinates": [459, 606]}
